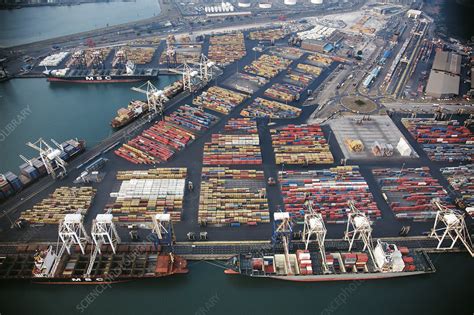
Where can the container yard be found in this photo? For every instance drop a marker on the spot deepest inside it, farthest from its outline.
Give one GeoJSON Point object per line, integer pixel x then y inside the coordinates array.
{"type": "Point", "coordinates": [232, 150]}
{"type": "Point", "coordinates": [300, 145]}
{"type": "Point", "coordinates": [138, 55]}
{"type": "Point", "coordinates": [442, 140]}
{"type": "Point", "coordinates": [303, 80]}
{"type": "Point", "coordinates": [219, 99]}
{"type": "Point", "coordinates": [192, 118]}
{"type": "Point", "coordinates": [264, 108]}
{"type": "Point", "coordinates": [319, 60]}
{"type": "Point", "coordinates": [232, 197]}
{"type": "Point", "coordinates": [267, 66]}
{"type": "Point", "coordinates": [179, 54]}
{"type": "Point", "coordinates": [284, 92]}
{"type": "Point", "coordinates": [156, 145]}
{"type": "Point", "coordinates": [62, 201]}
{"type": "Point", "coordinates": [329, 190]}
{"type": "Point", "coordinates": [270, 35]}
{"type": "Point", "coordinates": [410, 192]}
{"type": "Point", "coordinates": [144, 193]}
{"type": "Point", "coordinates": [461, 178]}
{"type": "Point", "coordinates": [358, 138]}
{"type": "Point", "coordinates": [225, 49]}
{"type": "Point", "coordinates": [245, 83]}
{"type": "Point", "coordinates": [241, 126]}
{"type": "Point", "coordinates": [54, 59]}
{"type": "Point", "coordinates": [306, 68]}
{"type": "Point", "coordinates": [288, 52]}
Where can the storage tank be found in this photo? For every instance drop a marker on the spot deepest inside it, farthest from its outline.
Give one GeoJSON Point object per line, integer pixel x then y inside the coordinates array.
{"type": "Point", "coordinates": [317, 1]}
{"type": "Point", "coordinates": [265, 5]}
{"type": "Point", "coordinates": [289, 2]}
{"type": "Point", "coordinates": [244, 4]}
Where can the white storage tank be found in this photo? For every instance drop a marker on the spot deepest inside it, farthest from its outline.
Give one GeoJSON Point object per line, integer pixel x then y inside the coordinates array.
{"type": "Point", "coordinates": [317, 1]}
{"type": "Point", "coordinates": [244, 4]}
{"type": "Point", "coordinates": [265, 5]}
{"type": "Point", "coordinates": [289, 2]}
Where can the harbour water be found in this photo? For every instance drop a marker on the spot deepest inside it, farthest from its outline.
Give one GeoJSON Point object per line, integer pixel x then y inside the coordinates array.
{"type": "Point", "coordinates": [39, 23]}
{"type": "Point", "coordinates": [207, 290]}
{"type": "Point", "coordinates": [454, 18]}
{"type": "Point", "coordinates": [33, 108]}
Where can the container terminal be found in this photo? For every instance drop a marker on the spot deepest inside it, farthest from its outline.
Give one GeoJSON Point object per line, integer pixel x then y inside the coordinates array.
{"type": "Point", "coordinates": [243, 162]}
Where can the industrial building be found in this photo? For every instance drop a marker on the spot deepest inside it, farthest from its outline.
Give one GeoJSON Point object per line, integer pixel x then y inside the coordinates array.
{"type": "Point", "coordinates": [447, 62]}
{"type": "Point", "coordinates": [317, 45]}
{"type": "Point", "coordinates": [444, 77]}
{"type": "Point", "coordinates": [442, 84]}
{"type": "Point", "coordinates": [414, 14]}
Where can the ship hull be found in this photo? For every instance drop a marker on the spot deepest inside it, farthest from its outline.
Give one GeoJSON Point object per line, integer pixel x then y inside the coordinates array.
{"type": "Point", "coordinates": [341, 277]}
{"type": "Point", "coordinates": [85, 81]}
{"type": "Point", "coordinates": [96, 280]}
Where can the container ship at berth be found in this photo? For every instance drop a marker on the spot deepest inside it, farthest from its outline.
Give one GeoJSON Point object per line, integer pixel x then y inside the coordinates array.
{"type": "Point", "coordinates": [129, 74]}
{"type": "Point", "coordinates": [379, 262]}
{"type": "Point", "coordinates": [76, 261]}
{"type": "Point", "coordinates": [128, 264]}
{"type": "Point", "coordinates": [137, 108]}
{"type": "Point", "coordinates": [33, 169]}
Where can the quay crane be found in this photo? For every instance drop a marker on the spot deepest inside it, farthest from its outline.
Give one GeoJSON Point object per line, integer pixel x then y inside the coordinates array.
{"type": "Point", "coordinates": [103, 233]}
{"type": "Point", "coordinates": [163, 228]}
{"type": "Point", "coordinates": [450, 224]}
{"type": "Point", "coordinates": [199, 74]}
{"type": "Point", "coordinates": [50, 156]}
{"type": "Point", "coordinates": [314, 225]}
{"type": "Point", "coordinates": [358, 228]}
{"type": "Point", "coordinates": [282, 231]}
{"type": "Point", "coordinates": [71, 232]}
{"type": "Point", "coordinates": [156, 98]}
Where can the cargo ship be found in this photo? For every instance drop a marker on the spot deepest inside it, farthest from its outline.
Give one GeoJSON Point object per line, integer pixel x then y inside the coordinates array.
{"type": "Point", "coordinates": [389, 261]}
{"type": "Point", "coordinates": [126, 115]}
{"type": "Point", "coordinates": [137, 108]}
{"type": "Point", "coordinates": [129, 74]}
{"type": "Point", "coordinates": [127, 264]}
{"type": "Point", "coordinates": [34, 169]}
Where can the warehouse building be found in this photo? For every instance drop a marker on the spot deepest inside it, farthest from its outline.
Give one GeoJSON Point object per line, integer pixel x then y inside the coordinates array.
{"type": "Point", "coordinates": [442, 84]}
{"type": "Point", "coordinates": [314, 45]}
{"type": "Point", "coordinates": [414, 14]}
{"type": "Point", "coordinates": [448, 62]}
{"type": "Point", "coordinates": [444, 77]}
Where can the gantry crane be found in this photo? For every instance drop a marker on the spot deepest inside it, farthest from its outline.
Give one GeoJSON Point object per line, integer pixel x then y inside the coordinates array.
{"type": "Point", "coordinates": [314, 226]}
{"type": "Point", "coordinates": [163, 228]}
{"type": "Point", "coordinates": [450, 224]}
{"type": "Point", "coordinates": [282, 230]}
{"type": "Point", "coordinates": [50, 156]}
{"type": "Point", "coordinates": [103, 233]}
{"type": "Point", "coordinates": [359, 228]}
{"type": "Point", "coordinates": [156, 98]}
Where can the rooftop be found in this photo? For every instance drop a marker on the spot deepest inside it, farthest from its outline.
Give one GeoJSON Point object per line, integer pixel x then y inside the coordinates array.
{"type": "Point", "coordinates": [442, 83]}
{"type": "Point", "coordinates": [448, 62]}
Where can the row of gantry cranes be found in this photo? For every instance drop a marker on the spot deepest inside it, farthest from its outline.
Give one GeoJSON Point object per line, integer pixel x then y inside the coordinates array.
{"type": "Point", "coordinates": [449, 228]}
{"type": "Point", "coordinates": [72, 233]}
{"type": "Point", "coordinates": [193, 77]}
